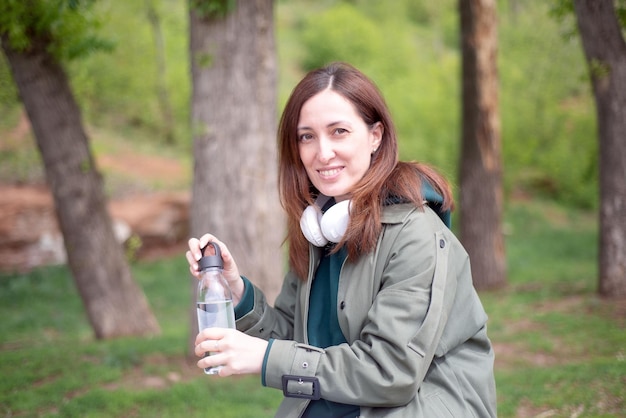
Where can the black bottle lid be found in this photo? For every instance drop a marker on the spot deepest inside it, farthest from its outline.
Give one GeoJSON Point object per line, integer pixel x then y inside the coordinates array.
{"type": "Point", "coordinates": [209, 261]}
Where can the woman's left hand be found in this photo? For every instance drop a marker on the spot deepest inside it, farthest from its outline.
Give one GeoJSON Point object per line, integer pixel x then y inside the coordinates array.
{"type": "Point", "coordinates": [237, 352]}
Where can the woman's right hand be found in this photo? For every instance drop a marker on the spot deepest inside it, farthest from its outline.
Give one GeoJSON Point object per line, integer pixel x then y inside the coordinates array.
{"type": "Point", "coordinates": [231, 272]}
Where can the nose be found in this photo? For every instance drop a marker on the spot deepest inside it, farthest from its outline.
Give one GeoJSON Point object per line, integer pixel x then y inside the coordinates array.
{"type": "Point", "coordinates": [326, 151]}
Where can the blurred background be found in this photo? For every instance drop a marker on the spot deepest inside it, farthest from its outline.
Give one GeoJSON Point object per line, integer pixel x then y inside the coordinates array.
{"type": "Point", "coordinates": [559, 346]}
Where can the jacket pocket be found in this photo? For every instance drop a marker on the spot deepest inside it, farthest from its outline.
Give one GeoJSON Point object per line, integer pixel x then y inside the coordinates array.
{"type": "Point", "coordinates": [435, 407]}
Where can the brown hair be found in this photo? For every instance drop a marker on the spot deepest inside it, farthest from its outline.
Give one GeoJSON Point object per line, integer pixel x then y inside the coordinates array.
{"type": "Point", "coordinates": [386, 176]}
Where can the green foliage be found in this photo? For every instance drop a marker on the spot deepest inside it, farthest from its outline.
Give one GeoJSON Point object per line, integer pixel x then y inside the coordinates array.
{"type": "Point", "coordinates": [562, 9]}
{"type": "Point", "coordinates": [132, 246]}
{"type": "Point", "coordinates": [599, 69]}
{"type": "Point", "coordinates": [412, 66]}
{"type": "Point", "coordinates": [19, 163]}
{"type": "Point", "coordinates": [563, 12]}
{"type": "Point", "coordinates": [69, 26]}
{"type": "Point", "coordinates": [213, 8]}
{"type": "Point", "coordinates": [548, 125]}
{"type": "Point", "coordinates": [620, 9]}
{"type": "Point", "coordinates": [8, 91]}
{"type": "Point", "coordinates": [409, 48]}
{"type": "Point", "coordinates": [120, 89]}
{"type": "Point", "coordinates": [548, 118]}
{"type": "Point", "coordinates": [340, 33]}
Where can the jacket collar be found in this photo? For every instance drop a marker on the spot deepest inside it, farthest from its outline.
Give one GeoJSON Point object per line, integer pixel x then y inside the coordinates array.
{"type": "Point", "coordinates": [396, 214]}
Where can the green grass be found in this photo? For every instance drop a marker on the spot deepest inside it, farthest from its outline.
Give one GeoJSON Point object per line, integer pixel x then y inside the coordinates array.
{"type": "Point", "coordinates": [560, 349]}
{"type": "Point", "coordinates": [52, 366]}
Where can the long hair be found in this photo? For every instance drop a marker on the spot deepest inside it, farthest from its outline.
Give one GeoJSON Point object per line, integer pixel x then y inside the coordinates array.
{"type": "Point", "coordinates": [385, 177]}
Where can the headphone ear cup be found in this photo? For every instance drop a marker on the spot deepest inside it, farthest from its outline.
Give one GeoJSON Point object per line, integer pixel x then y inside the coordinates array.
{"type": "Point", "coordinates": [335, 221]}
{"type": "Point", "coordinates": [310, 226]}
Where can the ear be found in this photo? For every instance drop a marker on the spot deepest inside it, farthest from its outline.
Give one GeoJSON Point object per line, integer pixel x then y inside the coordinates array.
{"type": "Point", "coordinates": [377, 131]}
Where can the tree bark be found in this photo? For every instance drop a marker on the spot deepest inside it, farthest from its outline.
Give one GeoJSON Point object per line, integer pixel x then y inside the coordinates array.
{"type": "Point", "coordinates": [481, 159]}
{"type": "Point", "coordinates": [233, 118]}
{"type": "Point", "coordinates": [115, 305]}
{"type": "Point", "coordinates": [605, 50]}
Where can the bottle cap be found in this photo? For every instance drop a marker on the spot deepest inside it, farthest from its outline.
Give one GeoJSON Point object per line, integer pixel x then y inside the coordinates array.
{"type": "Point", "coordinates": [208, 261]}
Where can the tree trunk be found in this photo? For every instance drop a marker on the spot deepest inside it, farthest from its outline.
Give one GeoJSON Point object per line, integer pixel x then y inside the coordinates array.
{"type": "Point", "coordinates": [115, 305]}
{"type": "Point", "coordinates": [481, 159]}
{"type": "Point", "coordinates": [605, 50]}
{"type": "Point", "coordinates": [233, 118]}
{"type": "Point", "coordinates": [165, 107]}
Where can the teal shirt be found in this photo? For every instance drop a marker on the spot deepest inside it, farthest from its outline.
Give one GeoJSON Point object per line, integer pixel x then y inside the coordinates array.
{"type": "Point", "coordinates": [323, 327]}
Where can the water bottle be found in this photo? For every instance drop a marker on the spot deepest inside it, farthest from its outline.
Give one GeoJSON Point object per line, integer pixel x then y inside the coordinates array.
{"type": "Point", "coordinates": [215, 301]}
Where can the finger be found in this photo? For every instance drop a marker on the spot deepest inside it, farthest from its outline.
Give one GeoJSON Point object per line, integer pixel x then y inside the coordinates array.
{"type": "Point", "coordinates": [212, 333]}
{"type": "Point", "coordinates": [199, 350]}
{"type": "Point", "coordinates": [215, 360]}
{"type": "Point", "coordinates": [194, 248]}
{"type": "Point", "coordinates": [206, 346]}
{"type": "Point", "coordinates": [193, 265]}
{"type": "Point", "coordinates": [225, 371]}
{"type": "Point", "coordinates": [206, 238]}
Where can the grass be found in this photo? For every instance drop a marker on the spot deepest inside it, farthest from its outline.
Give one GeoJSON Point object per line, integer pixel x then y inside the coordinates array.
{"type": "Point", "coordinates": [52, 366]}
{"type": "Point", "coordinates": [561, 351]}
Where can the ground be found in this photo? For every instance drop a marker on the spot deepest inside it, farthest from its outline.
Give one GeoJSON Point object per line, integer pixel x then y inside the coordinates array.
{"type": "Point", "coordinates": [159, 216]}
{"type": "Point", "coordinates": [148, 201]}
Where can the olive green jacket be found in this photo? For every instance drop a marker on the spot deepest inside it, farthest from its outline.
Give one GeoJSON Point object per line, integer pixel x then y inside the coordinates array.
{"type": "Point", "coordinates": [416, 330]}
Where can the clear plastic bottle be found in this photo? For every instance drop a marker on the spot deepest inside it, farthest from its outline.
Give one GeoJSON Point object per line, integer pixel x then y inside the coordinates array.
{"type": "Point", "coordinates": [215, 301]}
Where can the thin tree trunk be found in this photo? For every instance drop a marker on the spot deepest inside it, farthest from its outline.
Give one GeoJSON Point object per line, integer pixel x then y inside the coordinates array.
{"type": "Point", "coordinates": [481, 159]}
{"type": "Point", "coordinates": [233, 117]}
{"type": "Point", "coordinates": [115, 305]}
{"type": "Point", "coordinates": [605, 49]}
{"type": "Point", "coordinates": [162, 92]}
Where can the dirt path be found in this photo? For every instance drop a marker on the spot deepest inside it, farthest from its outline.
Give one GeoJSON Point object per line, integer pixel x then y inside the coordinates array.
{"type": "Point", "coordinates": [149, 195]}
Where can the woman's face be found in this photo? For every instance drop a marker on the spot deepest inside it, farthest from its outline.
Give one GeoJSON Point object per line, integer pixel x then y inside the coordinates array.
{"type": "Point", "coordinates": [335, 144]}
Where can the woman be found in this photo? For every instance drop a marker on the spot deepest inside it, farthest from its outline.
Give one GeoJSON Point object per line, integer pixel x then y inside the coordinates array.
{"type": "Point", "coordinates": [377, 316]}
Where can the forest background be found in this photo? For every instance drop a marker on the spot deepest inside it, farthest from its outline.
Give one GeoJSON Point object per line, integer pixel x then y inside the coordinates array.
{"type": "Point", "coordinates": [560, 350]}
{"type": "Point", "coordinates": [411, 51]}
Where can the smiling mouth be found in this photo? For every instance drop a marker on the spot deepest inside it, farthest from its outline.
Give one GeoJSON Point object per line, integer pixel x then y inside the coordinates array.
{"type": "Point", "coordinates": [329, 173]}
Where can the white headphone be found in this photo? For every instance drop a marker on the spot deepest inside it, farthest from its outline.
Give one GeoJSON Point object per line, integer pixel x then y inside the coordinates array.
{"type": "Point", "coordinates": [321, 228]}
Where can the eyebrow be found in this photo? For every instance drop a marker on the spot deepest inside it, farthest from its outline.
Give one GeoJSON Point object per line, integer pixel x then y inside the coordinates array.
{"type": "Point", "coordinates": [330, 125]}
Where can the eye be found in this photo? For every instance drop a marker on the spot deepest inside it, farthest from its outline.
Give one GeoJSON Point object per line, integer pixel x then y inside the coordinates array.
{"type": "Point", "coordinates": [305, 137]}
{"type": "Point", "coordinates": [340, 131]}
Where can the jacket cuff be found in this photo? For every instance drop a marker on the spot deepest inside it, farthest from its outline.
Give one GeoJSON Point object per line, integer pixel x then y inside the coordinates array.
{"type": "Point", "coordinates": [292, 366]}
{"type": "Point", "coordinates": [246, 304]}
{"type": "Point", "coordinates": [263, 368]}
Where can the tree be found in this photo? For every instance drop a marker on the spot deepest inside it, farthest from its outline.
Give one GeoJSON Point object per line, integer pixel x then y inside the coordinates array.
{"type": "Point", "coordinates": [165, 107]}
{"type": "Point", "coordinates": [233, 119]}
{"type": "Point", "coordinates": [481, 160]}
{"type": "Point", "coordinates": [115, 305]}
{"type": "Point", "coordinates": [605, 51]}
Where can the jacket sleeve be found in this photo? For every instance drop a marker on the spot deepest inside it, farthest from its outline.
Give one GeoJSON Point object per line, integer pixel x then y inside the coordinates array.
{"type": "Point", "coordinates": [398, 338]}
{"type": "Point", "coordinates": [267, 322]}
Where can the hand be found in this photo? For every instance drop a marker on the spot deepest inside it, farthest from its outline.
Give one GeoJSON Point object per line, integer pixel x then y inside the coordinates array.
{"type": "Point", "coordinates": [231, 272]}
{"type": "Point", "coordinates": [237, 352]}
